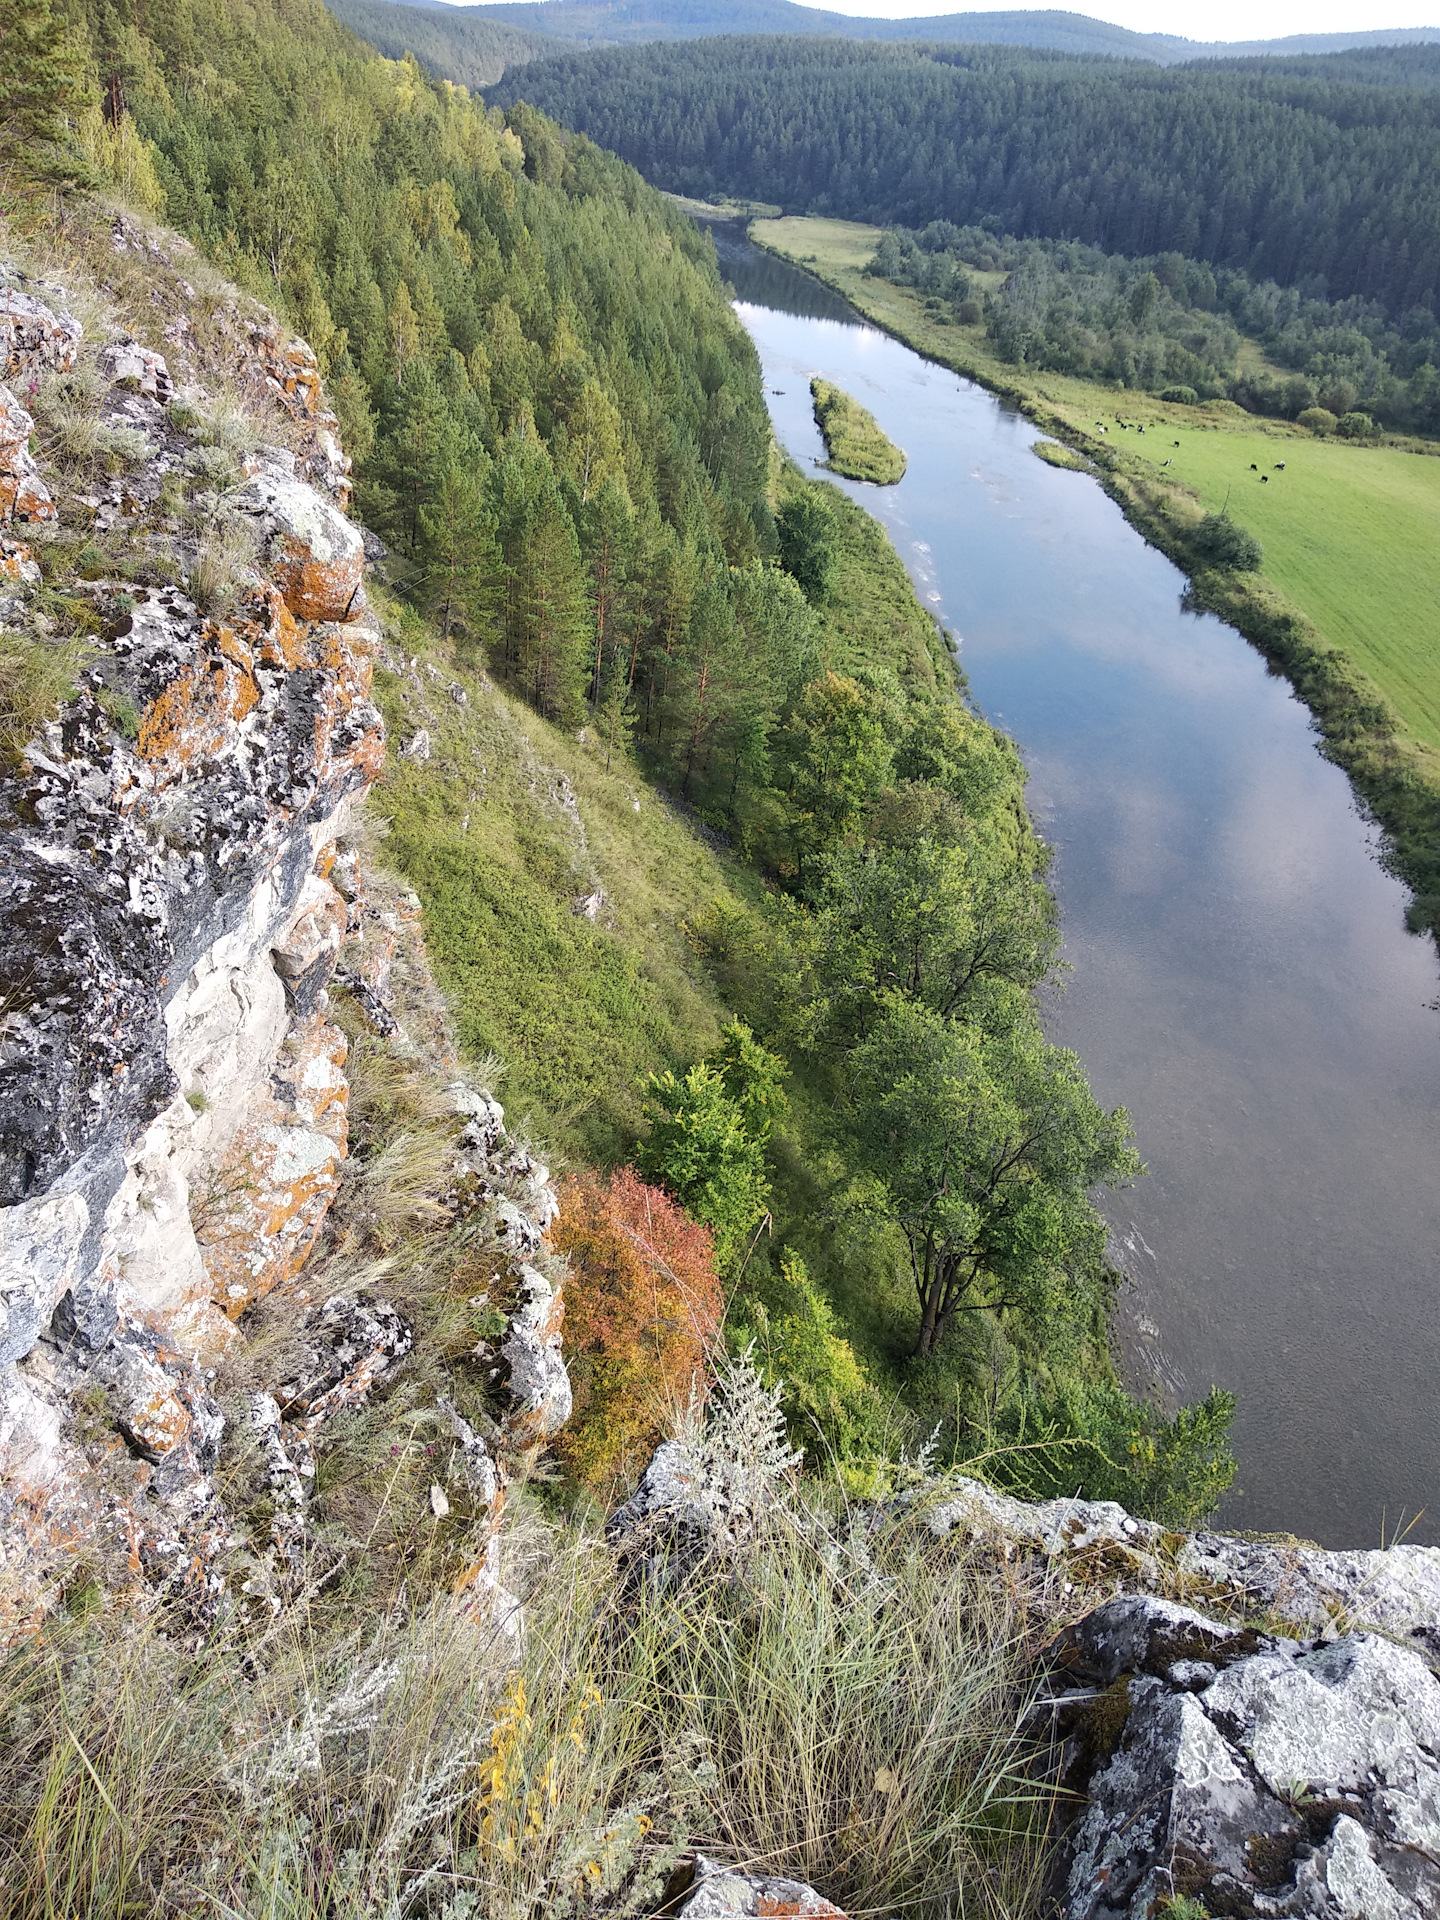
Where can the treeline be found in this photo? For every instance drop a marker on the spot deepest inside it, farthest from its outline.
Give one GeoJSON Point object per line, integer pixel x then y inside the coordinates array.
{"type": "Point", "coordinates": [1312, 178]}
{"type": "Point", "coordinates": [1163, 321]}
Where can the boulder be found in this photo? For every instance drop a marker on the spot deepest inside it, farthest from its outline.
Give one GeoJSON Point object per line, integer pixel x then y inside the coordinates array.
{"type": "Point", "coordinates": [315, 555]}
{"type": "Point", "coordinates": [724, 1892]}
{"type": "Point", "coordinates": [1256, 1774]}
{"type": "Point", "coordinates": [126, 364]}
{"type": "Point", "coordinates": [721, 1893]}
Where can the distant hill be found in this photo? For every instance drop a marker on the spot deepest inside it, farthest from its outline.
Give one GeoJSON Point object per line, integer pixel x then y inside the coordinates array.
{"type": "Point", "coordinates": [458, 40]}
{"type": "Point", "coordinates": [1290, 171]}
{"type": "Point", "coordinates": [468, 44]}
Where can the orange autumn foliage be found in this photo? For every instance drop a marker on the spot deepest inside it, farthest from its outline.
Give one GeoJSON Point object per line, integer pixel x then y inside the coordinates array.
{"type": "Point", "coordinates": [642, 1306]}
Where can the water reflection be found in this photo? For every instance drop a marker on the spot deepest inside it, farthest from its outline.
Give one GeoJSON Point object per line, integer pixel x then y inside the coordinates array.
{"type": "Point", "coordinates": [1241, 977]}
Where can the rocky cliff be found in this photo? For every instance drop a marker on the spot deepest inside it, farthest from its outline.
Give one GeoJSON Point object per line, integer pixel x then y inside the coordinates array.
{"type": "Point", "coordinates": [178, 885]}
{"type": "Point", "coordinates": [237, 1148]}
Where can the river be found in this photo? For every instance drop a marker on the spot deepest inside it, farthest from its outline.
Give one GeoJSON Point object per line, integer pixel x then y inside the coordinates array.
{"type": "Point", "coordinates": [1240, 977]}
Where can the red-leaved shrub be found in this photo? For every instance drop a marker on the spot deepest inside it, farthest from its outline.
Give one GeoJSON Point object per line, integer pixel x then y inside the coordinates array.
{"type": "Point", "coordinates": [642, 1305]}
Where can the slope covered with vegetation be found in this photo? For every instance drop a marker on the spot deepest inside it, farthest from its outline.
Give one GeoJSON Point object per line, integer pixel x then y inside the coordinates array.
{"type": "Point", "coordinates": [561, 434]}
{"type": "Point", "coordinates": [469, 45]}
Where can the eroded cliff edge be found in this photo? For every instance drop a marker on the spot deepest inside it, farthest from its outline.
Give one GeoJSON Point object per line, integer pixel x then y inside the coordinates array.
{"type": "Point", "coordinates": [179, 882]}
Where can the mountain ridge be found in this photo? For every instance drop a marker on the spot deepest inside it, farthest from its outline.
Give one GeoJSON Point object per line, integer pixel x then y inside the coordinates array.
{"type": "Point", "coordinates": [482, 32]}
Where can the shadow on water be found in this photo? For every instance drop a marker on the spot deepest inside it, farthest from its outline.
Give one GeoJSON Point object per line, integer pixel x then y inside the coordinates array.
{"type": "Point", "coordinates": [760, 280]}
{"type": "Point", "coordinates": [1240, 975]}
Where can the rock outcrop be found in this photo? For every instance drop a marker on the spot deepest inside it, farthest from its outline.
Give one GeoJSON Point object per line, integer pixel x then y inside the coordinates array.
{"type": "Point", "coordinates": [1302, 1588]}
{"type": "Point", "coordinates": [1255, 1773]}
{"type": "Point", "coordinates": [177, 896]}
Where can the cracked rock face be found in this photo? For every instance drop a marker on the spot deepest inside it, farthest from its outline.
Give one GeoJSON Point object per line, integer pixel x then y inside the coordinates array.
{"type": "Point", "coordinates": [173, 1099]}
{"type": "Point", "coordinates": [1258, 1774]}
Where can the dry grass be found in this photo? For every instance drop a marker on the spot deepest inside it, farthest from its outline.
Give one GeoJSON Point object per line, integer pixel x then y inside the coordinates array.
{"type": "Point", "coordinates": [36, 677]}
{"type": "Point", "coordinates": [218, 564]}
{"type": "Point", "coordinates": [847, 1716]}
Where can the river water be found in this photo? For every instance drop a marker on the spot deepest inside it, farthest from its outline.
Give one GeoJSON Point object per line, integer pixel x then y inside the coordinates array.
{"type": "Point", "coordinates": [1240, 975]}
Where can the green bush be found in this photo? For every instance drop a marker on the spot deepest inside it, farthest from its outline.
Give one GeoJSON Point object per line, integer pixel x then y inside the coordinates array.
{"type": "Point", "coordinates": [1180, 396]}
{"type": "Point", "coordinates": [1319, 420]}
{"type": "Point", "coordinates": [1220, 541]}
{"type": "Point", "coordinates": [1355, 426]}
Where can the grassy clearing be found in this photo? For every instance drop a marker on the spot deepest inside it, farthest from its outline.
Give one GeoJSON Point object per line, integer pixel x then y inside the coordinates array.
{"type": "Point", "coordinates": [1351, 535]}
{"type": "Point", "coordinates": [1348, 606]}
{"type": "Point", "coordinates": [854, 440]}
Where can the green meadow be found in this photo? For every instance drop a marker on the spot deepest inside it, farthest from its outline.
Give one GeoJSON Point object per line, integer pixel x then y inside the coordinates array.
{"type": "Point", "coordinates": [1351, 532]}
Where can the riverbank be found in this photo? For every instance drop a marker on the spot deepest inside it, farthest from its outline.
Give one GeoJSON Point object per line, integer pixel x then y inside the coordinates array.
{"type": "Point", "coordinates": [1379, 715]}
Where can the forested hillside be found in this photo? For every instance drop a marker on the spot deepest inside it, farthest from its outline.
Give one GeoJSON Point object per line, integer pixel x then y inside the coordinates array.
{"type": "Point", "coordinates": [463, 44]}
{"type": "Point", "coordinates": [1317, 181]}
{"type": "Point", "coordinates": [560, 432]}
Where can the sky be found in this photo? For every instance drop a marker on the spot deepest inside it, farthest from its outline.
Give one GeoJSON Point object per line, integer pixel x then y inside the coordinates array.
{"type": "Point", "coordinates": [1193, 19]}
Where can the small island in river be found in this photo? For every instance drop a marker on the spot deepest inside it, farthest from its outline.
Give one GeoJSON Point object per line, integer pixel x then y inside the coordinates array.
{"type": "Point", "coordinates": [854, 441]}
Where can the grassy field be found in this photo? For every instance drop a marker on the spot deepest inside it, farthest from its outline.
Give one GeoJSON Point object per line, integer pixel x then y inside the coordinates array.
{"type": "Point", "coordinates": [1351, 534]}
{"type": "Point", "coordinates": [854, 442]}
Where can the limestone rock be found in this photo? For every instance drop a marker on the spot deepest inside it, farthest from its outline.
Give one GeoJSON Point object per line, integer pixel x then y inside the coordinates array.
{"type": "Point", "coordinates": [33, 337]}
{"type": "Point", "coordinates": [539, 1386]}
{"type": "Point", "coordinates": [23, 494]}
{"type": "Point", "coordinates": [18, 564]}
{"type": "Point", "coordinates": [721, 1893]}
{"type": "Point", "coordinates": [127, 364]}
{"type": "Point", "coordinates": [1396, 1589]}
{"type": "Point", "coordinates": [355, 1345]}
{"type": "Point", "coordinates": [315, 555]}
{"type": "Point", "coordinates": [268, 1196]}
{"type": "Point", "coordinates": [1269, 1778]}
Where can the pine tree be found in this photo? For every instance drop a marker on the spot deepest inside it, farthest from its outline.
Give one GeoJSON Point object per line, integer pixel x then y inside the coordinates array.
{"type": "Point", "coordinates": [460, 570]}
{"type": "Point", "coordinates": [39, 82]}
{"type": "Point", "coordinates": [549, 610]}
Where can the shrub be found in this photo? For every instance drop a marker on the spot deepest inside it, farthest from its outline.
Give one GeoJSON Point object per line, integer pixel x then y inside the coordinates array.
{"type": "Point", "coordinates": [1221, 542]}
{"type": "Point", "coordinates": [970, 312]}
{"type": "Point", "coordinates": [708, 1130]}
{"type": "Point", "coordinates": [642, 1306]}
{"type": "Point", "coordinates": [1319, 420]}
{"type": "Point", "coordinates": [829, 1405]}
{"type": "Point", "coordinates": [1355, 426]}
{"type": "Point", "coordinates": [1180, 396]}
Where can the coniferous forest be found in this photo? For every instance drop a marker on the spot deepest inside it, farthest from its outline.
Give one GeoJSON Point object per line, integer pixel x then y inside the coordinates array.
{"type": "Point", "coordinates": [1317, 174]}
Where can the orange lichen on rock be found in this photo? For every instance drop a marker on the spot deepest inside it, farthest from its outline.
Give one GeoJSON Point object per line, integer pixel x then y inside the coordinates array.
{"type": "Point", "coordinates": [193, 716]}
{"type": "Point", "coordinates": [18, 563]}
{"type": "Point", "coordinates": [259, 1218]}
